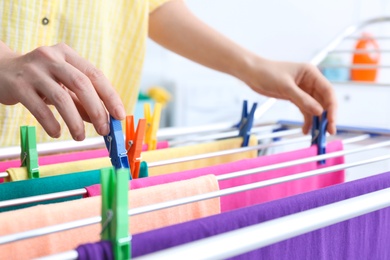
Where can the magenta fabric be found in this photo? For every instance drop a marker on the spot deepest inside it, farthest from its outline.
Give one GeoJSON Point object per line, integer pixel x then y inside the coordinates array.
{"type": "Point", "coordinates": [70, 157]}
{"type": "Point", "coordinates": [255, 196]}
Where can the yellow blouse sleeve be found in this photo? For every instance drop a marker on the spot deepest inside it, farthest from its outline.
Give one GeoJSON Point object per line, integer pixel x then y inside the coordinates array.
{"type": "Point", "coordinates": [153, 4]}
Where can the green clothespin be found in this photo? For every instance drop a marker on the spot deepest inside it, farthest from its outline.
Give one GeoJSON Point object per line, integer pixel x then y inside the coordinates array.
{"type": "Point", "coordinates": [29, 153]}
{"type": "Point", "coordinates": [115, 219]}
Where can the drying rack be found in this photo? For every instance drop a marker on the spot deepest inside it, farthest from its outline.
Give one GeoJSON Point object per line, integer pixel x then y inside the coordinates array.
{"type": "Point", "coordinates": [292, 224]}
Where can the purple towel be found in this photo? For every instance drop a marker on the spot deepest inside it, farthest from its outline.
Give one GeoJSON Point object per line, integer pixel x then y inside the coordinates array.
{"type": "Point", "coordinates": [364, 237]}
{"type": "Point", "coordinates": [95, 251]}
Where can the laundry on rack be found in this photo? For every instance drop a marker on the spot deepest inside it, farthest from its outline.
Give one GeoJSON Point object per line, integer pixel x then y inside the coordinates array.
{"type": "Point", "coordinates": [51, 214]}
{"type": "Point", "coordinates": [71, 157]}
{"type": "Point", "coordinates": [51, 184]}
{"type": "Point", "coordinates": [196, 149]}
{"type": "Point", "coordinates": [58, 158]}
{"type": "Point", "coordinates": [64, 158]}
{"type": "Point", "coordinates": [364, 237]}
{"type": "Point", "coordinates": [251, 197]}
{"type": "Point", "coordinates": [17, 174]}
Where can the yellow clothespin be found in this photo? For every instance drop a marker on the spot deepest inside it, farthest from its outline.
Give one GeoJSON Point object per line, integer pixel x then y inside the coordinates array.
{"type": "Point", "coordinates": [152, 125]}
{"type": "Point", "coordinates": [159, 94]}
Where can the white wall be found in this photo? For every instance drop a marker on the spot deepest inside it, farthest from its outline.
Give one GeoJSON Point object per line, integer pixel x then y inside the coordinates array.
{"type": "Point", "coordinates": [291, 30]}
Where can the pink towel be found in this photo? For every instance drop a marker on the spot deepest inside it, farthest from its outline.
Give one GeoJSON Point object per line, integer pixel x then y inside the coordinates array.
{"type": "Point", "coordinates": [70, 157]}
{"type": "Point", "coordinates": [255, 196]}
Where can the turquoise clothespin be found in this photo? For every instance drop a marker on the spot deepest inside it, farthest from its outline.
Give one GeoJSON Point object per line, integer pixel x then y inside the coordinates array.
{"type": "Point", "coordinates": [29, 153]}
{"type": "Point", "coordinates": [115, 219]}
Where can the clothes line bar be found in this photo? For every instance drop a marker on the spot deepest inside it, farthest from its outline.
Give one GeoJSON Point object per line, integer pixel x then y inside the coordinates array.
{"type": "Point", "coordinates": [220, 153]}
{"type": "Point", "coordinates": [246, 239]}
{"type": "Point", "coordinates": [69, 255]}
{"type": "Point", "coordinates": [81, 192]}
{"type": "Point", "coordinates": [227, 152]}
{"type": "Point", "coordinates": [55, 147]}
{"type": "Point", "coordinates": [88, 144]}
{"type": "Point", "coordinates": [163, 205]}
{"type": "Point", "coordinates": [44, 197]}
{"type": "Point", "coordinates": [301, 161]}
{"type": "Point", "coordinates": [235, 133]}
{"type": "Point", "coordinates": [49, 230]}
{"type": "Point", "coordinates": [248, 148]}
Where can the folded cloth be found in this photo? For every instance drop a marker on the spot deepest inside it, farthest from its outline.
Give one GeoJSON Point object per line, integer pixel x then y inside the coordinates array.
{"type": "Point", "coordinates": [360, 238]}
{"type": "Point", "coordinates": [251, 197]}
{"type": "Point", "coordinates": [62, 158]}
{"type": "Point", "coordinates": [196, 149]}
{"type": "Point", "coordinates": [40, 186]}
{"type": "Point", "coordinates": [52, 214]}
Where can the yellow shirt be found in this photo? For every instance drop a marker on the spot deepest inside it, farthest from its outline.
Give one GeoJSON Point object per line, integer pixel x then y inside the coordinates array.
{"type": "Point", "coordinates": [111, 34]}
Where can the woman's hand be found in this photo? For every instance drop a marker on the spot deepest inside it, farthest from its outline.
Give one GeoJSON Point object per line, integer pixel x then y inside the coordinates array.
{"type": "Point", "coordinates": [58, 76]}
{"type": "Point", "coordinates": [175, 27]}
{"type": "Point", "coordinates": [302, 84]}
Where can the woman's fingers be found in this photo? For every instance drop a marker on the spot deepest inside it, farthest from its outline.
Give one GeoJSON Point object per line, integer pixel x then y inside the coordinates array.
{"type": "Point", "coordinates": [39, 109]}
{"type": "Point", "coordinates": [59, 97]}
{"type": "Point", "coordinates": [82, 87]}
{"type": "Point", "coordinates": [57, 75]}
{"type": "Point", "coordinates": [103, 87]}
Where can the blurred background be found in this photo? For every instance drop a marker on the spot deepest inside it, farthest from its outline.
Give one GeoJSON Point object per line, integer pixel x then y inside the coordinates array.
{"type": "Point", "coordinates": [289, 30]}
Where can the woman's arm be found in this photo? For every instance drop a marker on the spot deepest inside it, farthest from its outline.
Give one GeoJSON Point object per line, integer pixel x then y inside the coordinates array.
{"type": "Point", "coordinates": [174, 26]}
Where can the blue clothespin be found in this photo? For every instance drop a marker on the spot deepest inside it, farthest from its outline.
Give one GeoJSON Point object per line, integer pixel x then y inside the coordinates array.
{"type": "Point", "coordinates": [318, 133]}
{"type": "Point", "coordinates": [246, 122]}
{"type": "Point", "coordinates": [115, 218]}
{"type": "Point", "coordinates": [115, 144]}
{"type": "Point", "coordinates": [29, 153]}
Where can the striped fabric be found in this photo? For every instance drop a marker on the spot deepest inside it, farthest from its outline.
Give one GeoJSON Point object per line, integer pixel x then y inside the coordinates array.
{"type": "Point", "coordinates": [109, 33]}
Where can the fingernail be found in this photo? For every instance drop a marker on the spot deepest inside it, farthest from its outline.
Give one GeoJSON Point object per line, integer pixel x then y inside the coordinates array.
{"type": "Point", "coordinates": [104, 129]}
{"type": "Point", "coordinates": [80, 137]}
{"type": "Point", "coordinates": [120, 112]}
{"type": "Point", "coordinates": [57, 135]}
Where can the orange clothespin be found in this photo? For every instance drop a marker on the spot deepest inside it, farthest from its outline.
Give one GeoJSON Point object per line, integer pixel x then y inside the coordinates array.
{"type": "Point", "coordinates": [152, 125]}
{"type": "Point", "coordinates": [134, 141]}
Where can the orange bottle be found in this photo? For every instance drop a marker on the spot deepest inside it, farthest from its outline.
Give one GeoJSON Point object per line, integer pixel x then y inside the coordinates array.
{"type": "Point", "coordinates": [368, 54]}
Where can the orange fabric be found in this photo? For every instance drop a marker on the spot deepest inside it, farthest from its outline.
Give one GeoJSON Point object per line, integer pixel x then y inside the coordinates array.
{"type": "Point", "coordinates": [52, 214]}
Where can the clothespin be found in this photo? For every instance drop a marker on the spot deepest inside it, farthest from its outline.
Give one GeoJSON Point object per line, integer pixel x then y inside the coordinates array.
{"type": "Point", "coordinates": [29, 153]}
{"type": "Point", "coordinates": [318, 133]}
{"type": "Point", "coordinates": [115, 144]}
{"type": "Point", "coordinates": [115, 219]}
{"type": "Point", "coordinates": [134, 141]}
{"type": "Point", "coordinates": [152, 125]}
{"type": "Point", "coordinates": [246, 122]}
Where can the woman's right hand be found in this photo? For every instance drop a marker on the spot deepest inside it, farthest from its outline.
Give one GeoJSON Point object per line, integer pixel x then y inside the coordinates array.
{"type": "Point", "coordinates": [58, 76]}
